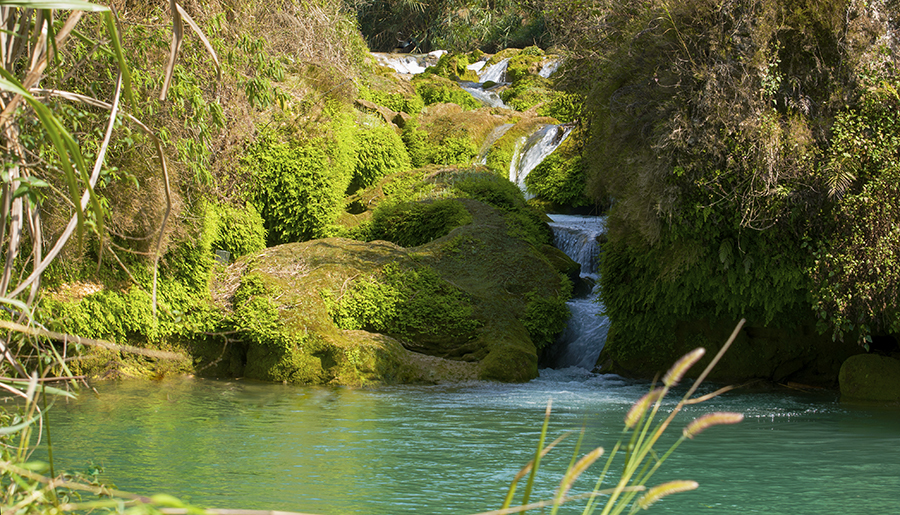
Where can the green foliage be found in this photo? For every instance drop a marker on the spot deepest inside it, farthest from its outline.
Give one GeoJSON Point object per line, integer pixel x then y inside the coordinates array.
{"type": "Point", "coordinates": [435, 90]}
{"type": "Point", "coordinates": [722, 273]}
{"type": "Point", "coordinates": [443, 24]}
{"type": "Point", "coordinates": [411, 224]}
{"type": "Point", "coordinates": [528, 92]}
{"type": "Point", "coordinates": [565, 107]}
{"type": "Point", "coordinates": [240, 231]}
{"type": "Point", "coordinates": [404, 303]}
{"type": "Point", "coordinates": [857, 267]}
{"type": "Point", "coordinates": [395, 101]}
{"type": "Point", "coordinates": [416, 142]}
{"type": "Point", "coordinates": [453, 66]}
{"type": "Point", "coordinates": [710, 127]}
{"type": "Point", "coordinates": [560, 178]}
{"type": "Point", "coordinates": [299, 185]}
{"type": "Point", "coordinates": [453, 150]}
{"type": "Point", "coordinates": [381, 152]}
{"type": "Point", "coordinates": [521, 221]}
{"type": "Point", "coordinates": [545, 318]}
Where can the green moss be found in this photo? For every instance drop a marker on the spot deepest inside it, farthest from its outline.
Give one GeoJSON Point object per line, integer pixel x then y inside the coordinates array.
{"type": "Point", "coordinates": [453, 150]}
{"type": "Point", "coordinates": [416, 142]}
{"type": "Point", "coordinates": [396, 101]}
{"type": "Point", "coordinates": [453, 66]}
{"type": "Point", "coordinates": [522, 222]}
{"type": "Point", "coordinates": [241, 231]}
{"type": "Point", "coordinates": [561, 177]}
{"type": "Point", "coordinates": [415, 223]}
{"type": "Point", "coordinates": [410, 304]}
{"type": "Point", "coordinates": [300, 179]}
{"type": "Point", "coordinates": [545, 318]}
{"type": "Point", "coordinates": [381, 153]}
{"type": "Point", "coordinates": [435, 90]}
{"type": "Point", "coordinates": [528, 92]}
{"type": "Point", "coordinates": [565, 107]}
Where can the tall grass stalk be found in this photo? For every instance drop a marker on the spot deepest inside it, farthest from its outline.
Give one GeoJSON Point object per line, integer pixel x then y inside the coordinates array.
{"type": "Point", "coordinates": [642, 430]}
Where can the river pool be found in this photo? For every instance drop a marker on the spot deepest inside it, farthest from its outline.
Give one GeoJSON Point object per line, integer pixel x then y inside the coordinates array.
{"type": "Point", "coordinates": [454, 449]}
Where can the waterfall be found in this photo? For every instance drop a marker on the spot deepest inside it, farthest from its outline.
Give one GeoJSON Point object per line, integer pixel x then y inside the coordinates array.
{"type": "Point", "coordinates": [549, 68]}
{"type": "Point", "coordinates": [581, 342]}
{"type": "Point", "coordinates": [532, 150]}
{"type": "Point", "coordinates": [408, 63]}
{"type": "Point", "coordinates": [492, 138]}
{"type": "Point", "coordinates": [485, 96]}
{"type": "Point", "coordinates": [495, 72]}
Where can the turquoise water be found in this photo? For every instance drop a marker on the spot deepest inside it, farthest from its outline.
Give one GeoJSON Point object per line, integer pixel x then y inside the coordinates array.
{"type": "Point", "coordinates": [454, 449]}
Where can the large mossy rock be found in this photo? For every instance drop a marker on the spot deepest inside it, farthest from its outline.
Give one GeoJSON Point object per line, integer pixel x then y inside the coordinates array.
{"type": "Point", "coordinates": [870, 377]}
{"type": "Point", "coordinates": [287, 305]}
{"type": "Point", "coordinates": [799, 354]}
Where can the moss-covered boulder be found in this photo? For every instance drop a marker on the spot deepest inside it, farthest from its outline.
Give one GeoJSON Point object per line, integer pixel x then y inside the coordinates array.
{"type": "Point", "coordinates": [793, 354]}
{"type": "Point", "coordinates": [341, 311]}
{"type": "Point", "coordinates": [870, 377]}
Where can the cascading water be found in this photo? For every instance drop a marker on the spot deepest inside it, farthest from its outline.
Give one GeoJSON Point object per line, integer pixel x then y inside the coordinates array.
{"type": "Point", "coordinates": [532, 150]}
{"type": "Point", "coordinates": [495, 72]}
{"type": "Point", "coordinates": [409, 64]}
{"type": "Point", "coordinates": [581, 342]}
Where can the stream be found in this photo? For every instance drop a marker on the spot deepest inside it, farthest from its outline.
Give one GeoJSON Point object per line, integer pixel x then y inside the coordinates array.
{"type": "Point", "coordinates": [455, 448]}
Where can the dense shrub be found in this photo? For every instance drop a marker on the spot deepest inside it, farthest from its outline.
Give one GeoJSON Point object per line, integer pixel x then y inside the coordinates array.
{"type": "Point", "coordinates": [405, 303]}
{"type": "Point", "coordinates": [435, 90]}
{"type": "Point", "coordinates": [560, 178]}
{"type": "Point", "coordinates": [711, 126]}
{"type": "Point", "coordinates": [240, 230]}
{"type": "Point", "coordinates": [381, 152]}
{"type": "Point", "coordinates": [453, 151]}
{"type": "Point", "coordinates": [545, 318]}
{"type": "Point", "coordinates": [410, 224]}
{"type": "Point", "coordinates": [300, 178]}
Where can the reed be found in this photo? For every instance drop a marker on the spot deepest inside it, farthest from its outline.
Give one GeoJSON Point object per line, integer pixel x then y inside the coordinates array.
{"type": "Point", "coordinates": [644, 424]}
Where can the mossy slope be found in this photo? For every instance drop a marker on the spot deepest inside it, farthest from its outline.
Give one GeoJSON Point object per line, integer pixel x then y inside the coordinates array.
{"type": "Point", "coordinates": [282, 305]}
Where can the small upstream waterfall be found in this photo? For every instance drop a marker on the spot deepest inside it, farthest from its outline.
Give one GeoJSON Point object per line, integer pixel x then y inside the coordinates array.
{"type": "Point", "coordinates": [409, 64]}
{"type": "Point", "coordinates": [495, 72]}
{"type": "Point", "coordinates": [581, 342]}
{"type": "Point", "coordinates": [532, 150]}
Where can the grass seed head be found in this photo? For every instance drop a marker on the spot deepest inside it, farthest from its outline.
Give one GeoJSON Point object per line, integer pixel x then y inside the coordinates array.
{"type": "Point", "coordinates": [711, 419]}
{"type": "Point", "coordinates": [659, 491]}
{"type": "Point", "coordinates": [674, 375]}
{"type": "Point", "coordinates": [639, 407]}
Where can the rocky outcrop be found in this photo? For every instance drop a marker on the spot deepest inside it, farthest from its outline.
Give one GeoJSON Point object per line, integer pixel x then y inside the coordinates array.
{"type": "Point", "coordinates": [286, 306]}
{"type": "Point", "coordinates": [780, 355]}
{"type": "Point", "coordinates": [870, 377]}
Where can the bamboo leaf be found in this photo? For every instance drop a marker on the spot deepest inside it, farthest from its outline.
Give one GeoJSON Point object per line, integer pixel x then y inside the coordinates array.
{"type": "Point", "coordinates": [206, 43]}
{"type": "Point", "coordinates": [75, 5]}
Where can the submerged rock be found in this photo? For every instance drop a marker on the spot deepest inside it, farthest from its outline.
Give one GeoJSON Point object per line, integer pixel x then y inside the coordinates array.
{"type": "Point", "coordinates": [870, 377]}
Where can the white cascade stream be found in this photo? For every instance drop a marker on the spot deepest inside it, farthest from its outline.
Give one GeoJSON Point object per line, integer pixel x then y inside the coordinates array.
{"type": "Point", "coordinates": [581, 342]}
{"type": "Point", "coordinates": [532, 150]}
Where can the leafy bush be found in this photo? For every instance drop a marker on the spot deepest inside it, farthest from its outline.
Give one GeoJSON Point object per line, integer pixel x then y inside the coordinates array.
{"type": "Point", "coordinates": [435, 90]}
{"type": "Point", "coordinates": [560, 178]}
{"type": "Point", "coordinates": [299, 184]}
{"type": "Point", "coordinates": [545, 318]}
{"type": "Point", "coordinates": [240, 231]}
{"type": "Point", "coordinates": [381, 152]}
{"type": "Point", "coordinates": [394, 100]}
{"type": "Point", "coordinates": [411, 224]}
{"type": "Point", "coordinates": [404, 303]}
{"type": "Point", "coordinates": [453, 150]}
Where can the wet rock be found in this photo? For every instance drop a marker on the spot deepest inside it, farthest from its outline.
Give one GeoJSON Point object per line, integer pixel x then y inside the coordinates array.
{"type": "Point", "coordinates": [870, 377]}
